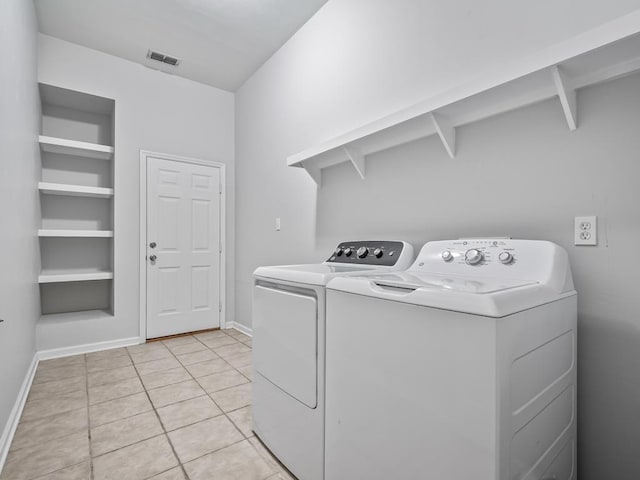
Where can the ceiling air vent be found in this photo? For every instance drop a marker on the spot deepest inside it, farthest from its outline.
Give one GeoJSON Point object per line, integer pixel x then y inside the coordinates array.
{"type": "Point", "coordinates": [163, 57]}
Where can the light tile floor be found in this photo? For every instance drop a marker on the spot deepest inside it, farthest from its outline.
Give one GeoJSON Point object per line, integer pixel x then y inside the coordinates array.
{"type": "Point", "coordinates": [172, 410]}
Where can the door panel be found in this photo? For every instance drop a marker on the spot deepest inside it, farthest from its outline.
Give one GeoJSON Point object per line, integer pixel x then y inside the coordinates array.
{"type": "Point", "coordinates": [183, 218]}
{"type": "Point", "coordinates": [286, 325]}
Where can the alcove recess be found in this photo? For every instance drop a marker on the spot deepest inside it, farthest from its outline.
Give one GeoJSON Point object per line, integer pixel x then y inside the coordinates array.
{"type": "Point", "coordinates": [76, 195]}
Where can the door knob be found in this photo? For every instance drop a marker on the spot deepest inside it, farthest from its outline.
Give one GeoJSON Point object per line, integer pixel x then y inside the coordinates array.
{"type": "Point", "coordinates": [153, 245]}
{"type": "Point", "coordinates": [153, 258]}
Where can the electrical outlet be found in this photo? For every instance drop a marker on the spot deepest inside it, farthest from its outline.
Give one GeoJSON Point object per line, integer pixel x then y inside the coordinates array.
{"type": "Point", "coordinates": [586, 231]}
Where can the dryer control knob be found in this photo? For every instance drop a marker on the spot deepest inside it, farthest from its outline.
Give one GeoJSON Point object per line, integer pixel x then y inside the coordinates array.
{"type": "Point", "coordinates": [338, 251]}
{"type": "Point", "coordinates": [348, 252]}
{"type": "Point", "coordinates": [362, 252]}
{"type": "Point", "coordinates": [378, 252]}
{"type": "Point", "coordinates": [505, 257]}
{"type": "Point", "coordinates": [473, 256]}
{"type": "Point", "coordinates": [447, 256]}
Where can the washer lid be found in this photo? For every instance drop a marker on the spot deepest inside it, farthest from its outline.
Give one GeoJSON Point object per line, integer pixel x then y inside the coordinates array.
{"type": "Point", "coordinates": [483, 296]}
{"type": "Point", "coordinates": [414, 281]}
{"type": "Point", "coordinates": [314, 273]}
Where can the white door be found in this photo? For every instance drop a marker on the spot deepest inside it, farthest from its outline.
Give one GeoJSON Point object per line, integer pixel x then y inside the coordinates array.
{"type": "Point", "coordinates": [183, 247]}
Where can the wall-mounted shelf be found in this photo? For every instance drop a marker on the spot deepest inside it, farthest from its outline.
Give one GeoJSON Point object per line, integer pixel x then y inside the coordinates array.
{"type": "Point", "coordinates": [48, 188]}
{"type": "Point", "coordinates": [75, 148]}
{"type": "Point", "coordinates": [44, 232]}
{"type": "Point", "coordinates": [607, 52]}
{"type": "Point", "coordinates": [80, 275]}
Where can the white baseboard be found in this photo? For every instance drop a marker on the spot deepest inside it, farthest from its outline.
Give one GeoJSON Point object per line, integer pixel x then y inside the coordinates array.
{"type": "Point", "coordinates": [87, 348]}
{"type": "Point", "coordinates": [16, 411]}
{"type": "Point", "coordinates": [240, 327]}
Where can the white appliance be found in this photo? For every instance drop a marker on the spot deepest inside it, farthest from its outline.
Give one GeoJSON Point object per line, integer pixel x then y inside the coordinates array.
{"type": "Point", "coordinates": [288, 349]}
{"type": "Point", "coordinates": [462, 367]}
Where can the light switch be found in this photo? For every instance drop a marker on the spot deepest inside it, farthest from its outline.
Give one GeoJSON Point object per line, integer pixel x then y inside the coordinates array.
{"type": "Point", "coordinates": [277, 224]}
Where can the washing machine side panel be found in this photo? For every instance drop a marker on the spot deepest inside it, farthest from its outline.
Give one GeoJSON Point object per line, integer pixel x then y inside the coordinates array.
{"type": "Point", "coordinates": [285, 325]}
{"type": "Point", "coordinates": [410, 391]}
{"type": "Point", "coordinates": [537, 376]}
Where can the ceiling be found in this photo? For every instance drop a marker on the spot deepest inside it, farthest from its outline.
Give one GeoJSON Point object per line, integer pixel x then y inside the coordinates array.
{"type": "Point", "coordinates": [220, 42]}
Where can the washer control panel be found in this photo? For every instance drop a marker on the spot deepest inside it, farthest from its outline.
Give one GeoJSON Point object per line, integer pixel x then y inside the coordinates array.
{"type": "Point", "coordinates": [532, 260]}
{"type": "Point", "coordinates": [379, 253]}
{"type": "Point", "coordinates": [479, 252]}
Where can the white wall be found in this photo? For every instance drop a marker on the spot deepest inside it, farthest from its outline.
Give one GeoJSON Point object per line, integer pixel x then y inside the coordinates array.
{"type": "Point", "coordinates": [522, 174]}
{"type": "Point", "coordinates": [154, 111]}
{"type": "Point", "coordinates": [19, 203]}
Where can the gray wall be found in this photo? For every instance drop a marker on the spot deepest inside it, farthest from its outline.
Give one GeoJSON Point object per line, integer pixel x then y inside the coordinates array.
{"type": "Point", "coordinates": [19, 203]}
{"type": "Point", "coordinates": [521, 174]}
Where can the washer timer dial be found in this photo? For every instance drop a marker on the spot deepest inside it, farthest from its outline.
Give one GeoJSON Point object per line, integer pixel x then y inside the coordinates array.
{"type": "Point", "coordinates": [473, 256]}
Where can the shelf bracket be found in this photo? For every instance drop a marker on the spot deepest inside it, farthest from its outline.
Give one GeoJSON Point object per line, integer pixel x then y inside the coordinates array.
{"type": "Point", "coordinates": [446, 132]}
{"type": "Point", "coordinates": [315, 174]}
{"type": "Point", "coordinates": [357, 160]}
{"type": "Point", "coordinates": [567, 97]}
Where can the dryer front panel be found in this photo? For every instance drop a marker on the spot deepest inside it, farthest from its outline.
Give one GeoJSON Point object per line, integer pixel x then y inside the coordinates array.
{"type": "Point", "coordinates": [285, 329]}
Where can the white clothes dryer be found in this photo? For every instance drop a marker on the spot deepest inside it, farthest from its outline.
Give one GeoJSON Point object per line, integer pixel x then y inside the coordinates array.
{"type": "Point", "coordinates": [289, 348]}
{"type": "Point", "coordinates": [462, 367]}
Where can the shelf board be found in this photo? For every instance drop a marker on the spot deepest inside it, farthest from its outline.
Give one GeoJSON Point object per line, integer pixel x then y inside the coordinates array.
{"type": "Point", "coordinates": [74, 190]}
{"type": "Point", "coordinates": [75, 148]}
{"type": "Point", "coordinates": [81, 316]}
{"type": "Point", "coordinates": [46, 232]}
{"type": "Point", "coordinates": [73, 275]}
{"type": "Point", "coordinates": [609, 51]}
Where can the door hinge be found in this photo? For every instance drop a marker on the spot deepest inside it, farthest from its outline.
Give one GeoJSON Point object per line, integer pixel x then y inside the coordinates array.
{"type": "Point", "coordinates": [220, 307]}
{"type": "Point", "coordinates": [220, 189]}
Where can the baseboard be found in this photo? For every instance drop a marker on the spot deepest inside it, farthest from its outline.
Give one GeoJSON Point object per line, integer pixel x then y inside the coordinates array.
{"type": "Point", "coordinates": [16, 412]}
{"type": "Point", "coordinates": [87, 348]}
{"type": "Point", "coordinates": [240, 327]}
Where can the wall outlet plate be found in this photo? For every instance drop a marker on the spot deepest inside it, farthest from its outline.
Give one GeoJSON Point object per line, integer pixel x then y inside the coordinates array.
{"type": "Point", "coordinates": [585, 230]}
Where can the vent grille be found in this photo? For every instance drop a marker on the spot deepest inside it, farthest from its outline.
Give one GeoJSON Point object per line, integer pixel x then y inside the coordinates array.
{"type": "Point", "coordinates": [164, 58]}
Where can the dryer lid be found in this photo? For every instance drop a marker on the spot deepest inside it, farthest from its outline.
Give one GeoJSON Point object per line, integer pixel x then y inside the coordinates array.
{"type": "Point", "coordinates": [313, 273]}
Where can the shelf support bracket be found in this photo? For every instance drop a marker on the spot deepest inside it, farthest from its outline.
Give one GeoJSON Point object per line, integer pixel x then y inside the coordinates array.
{"type": "Point", "coordinates": [357, 160]}
{"type": "Point", "coordinates": [315, 174]}
{"type": "Point", "coordinates": [446, 132]}
{"type": "Point", "coordinates": [567, 97]}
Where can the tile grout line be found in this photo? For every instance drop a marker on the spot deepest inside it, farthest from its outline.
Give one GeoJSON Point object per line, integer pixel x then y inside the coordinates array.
{"type": "Point", "coordinates": [155, 411]}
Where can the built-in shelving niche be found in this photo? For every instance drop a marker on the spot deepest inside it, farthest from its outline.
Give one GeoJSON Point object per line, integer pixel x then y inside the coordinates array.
{"type": "Point", "coordinates": [602, 54]}
{"type": "Point", "coordinates": [76, 191]}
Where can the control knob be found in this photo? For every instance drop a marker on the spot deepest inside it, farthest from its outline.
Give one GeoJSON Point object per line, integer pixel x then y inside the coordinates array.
{"type": "Point", "coordinates": [377, 252]}
{"type": "Point", "coordinates": [505, 257]}
{"type": "Point", "coordinates": [473, 256]}
{"type": "Point", "coordinates": [338, 251]}
{"type": "Point", "coordinates": [348, 252]}
{"type": "Point", "coordinates": [362, 252]}
{"type": "Point", "coordinates": [447, 256]}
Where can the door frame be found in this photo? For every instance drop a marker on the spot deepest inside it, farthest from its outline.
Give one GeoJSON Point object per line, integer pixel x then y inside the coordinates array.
{"type": "Point", "coordinates": [144, 156]}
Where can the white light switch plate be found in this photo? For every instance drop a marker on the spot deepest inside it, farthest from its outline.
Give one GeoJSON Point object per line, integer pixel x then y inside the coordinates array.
{"type": "Point", "coordinates": [586, 230]}
{"type": "Point", "coordinates": [277, 224]}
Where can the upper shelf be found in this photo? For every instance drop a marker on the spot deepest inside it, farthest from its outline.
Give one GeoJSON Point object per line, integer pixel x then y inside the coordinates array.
{"type": "Point", "coordinates": [607, 52]}
{"type": "Point", "coordinates": [73, 147]}
{"type": "Point", "coordinates": [74, 190]}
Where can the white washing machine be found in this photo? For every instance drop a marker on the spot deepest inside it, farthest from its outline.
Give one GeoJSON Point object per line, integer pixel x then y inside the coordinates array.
{"type": "Point", "coordinates": [289, 346]}
{"type": "Point", "coordinates": [462, 367]}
